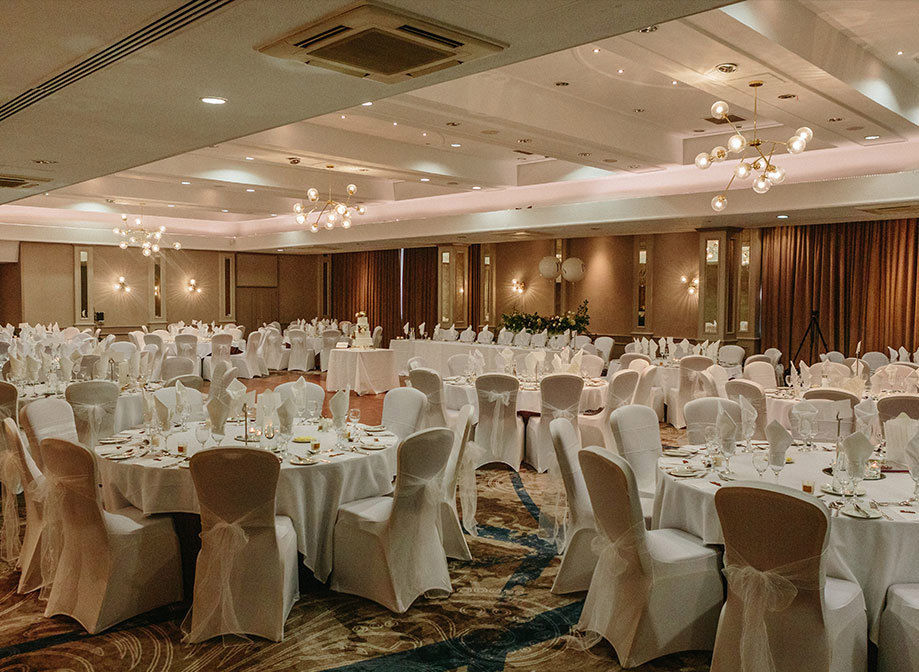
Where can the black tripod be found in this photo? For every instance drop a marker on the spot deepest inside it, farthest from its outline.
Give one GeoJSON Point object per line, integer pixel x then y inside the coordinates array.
{"type": "Point", "coordinates": [813, 329]}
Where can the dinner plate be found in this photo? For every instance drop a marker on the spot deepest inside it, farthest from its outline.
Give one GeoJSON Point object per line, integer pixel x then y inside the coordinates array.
{"type": "Point", "coordinates": [111, 440]}
{"type": "Point", "coordinates": [828, 489]}
{"type": "Point", "coordinates": [683, 472]}
{"type": "Point", "coordinates": [301, 461]}
{"type": "Point", "coordinates": [863, 512]}
{"type": "Point", "coordinates": [677, 452]}
{"type": "Point", "coordinates": [373, 445]}
{"type": "Point", "coordinates": [373, 429]}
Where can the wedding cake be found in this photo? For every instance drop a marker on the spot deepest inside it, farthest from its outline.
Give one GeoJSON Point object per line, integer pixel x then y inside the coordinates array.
{"type": "Point", "coordinates": [362, 338]}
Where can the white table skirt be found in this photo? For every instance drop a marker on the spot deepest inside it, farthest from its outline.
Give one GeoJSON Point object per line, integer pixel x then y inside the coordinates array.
{"type": "Point", "coordinates": [779, 409]}
{"type": "Point", "coordinates": [129, 411]}
{"type": "Point", "coordinates": [364, 371]}
{"type": "Point", "coordinates": [437, 353]}
{"type": "Point", "coordinates": [457, 394]}
{"type": "Point", "coordinates": [873, 553]}
{"type": "Point", "coordinates": [309, 495]}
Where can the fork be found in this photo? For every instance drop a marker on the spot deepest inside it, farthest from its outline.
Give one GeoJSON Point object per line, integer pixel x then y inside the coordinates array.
{"type": "Point", "coordinates": [874, 505]}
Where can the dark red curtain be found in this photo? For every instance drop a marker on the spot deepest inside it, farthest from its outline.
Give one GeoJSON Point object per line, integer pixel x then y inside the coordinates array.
{"type": "Point", "coordinates": [368, 282]}
{"type": "Point", "coordinates": [474, 305]}
{"type": "Point", "coordinates": [419, 283]}
{"type": "Point", "coordinates": [860, 277]}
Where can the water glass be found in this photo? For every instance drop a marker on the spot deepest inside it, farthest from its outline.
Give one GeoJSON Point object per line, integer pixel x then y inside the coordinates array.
{"type": "Point", "coordinates": [354, 415]}
{"type": "Point", "coordinates": [761, 462]}
{"type": "Point", "coordinates": [777, 463]}
{"type": "Point", "coordinates": [914, 474]}
{"type": "Point", "coordinates": [201, 433]}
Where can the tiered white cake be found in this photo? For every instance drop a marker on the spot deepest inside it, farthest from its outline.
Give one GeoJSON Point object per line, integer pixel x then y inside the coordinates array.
{"type": "Point", "coordinates": [362, 338]}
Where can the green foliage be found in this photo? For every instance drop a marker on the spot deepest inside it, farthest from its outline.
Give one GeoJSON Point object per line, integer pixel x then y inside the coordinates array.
{"type": "Point", "coordinates": [534, 322]}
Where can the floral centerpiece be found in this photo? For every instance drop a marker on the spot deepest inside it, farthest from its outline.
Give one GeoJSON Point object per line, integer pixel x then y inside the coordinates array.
{"type": "Point", "coordinates": [534, 322]}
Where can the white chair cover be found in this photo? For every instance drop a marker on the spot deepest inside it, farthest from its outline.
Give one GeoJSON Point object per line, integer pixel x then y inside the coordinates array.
{"type": "Point", "coordinates": [689, 388]}
{"type": "Point", "coordinates": [754, 393]}
{"type": "Point", "coordinates": [485, 337]}
{"type": "Point", "coordinates": [459, 365]}
{"type": "Point", "coordinates": [274, 352]}
{"type": "Point", "coordinates": [459, 474]}
{"type": "Point", "coordinates": [703, 413]}
{"type": "Point", "coordinates": [499, 432]}
{"type": "Point", "coordinates": [176, 366]}
{"type": "Point", "coordinates": [429, 383]}
{"type": "Point", "coordinates": [45, 419]}
{"type": "Point", "coordinates": [762, 373]}
{"type": "Point", "coordinates": [402, 411]}
{"type": "Point", "coordinates": [301, 357]}
{"type": "Point", "coordinates": [389, 549]}
{"type": "Point", "coordinates": [93, 403]}
{"type": "Point", "coordinates": [221, 345]}
{"type": "Point", "coordinates": [560, 398]}
{"type": "Point", "coordinates": [595, 429]}
{"type": "Point", "coordinates": [32, 480]}
{"type": "Point", "coordinates": [248, 363]}
{"type": "Point", "coordinates": [637, 434]}
{"type": "Point", "coordinates": [522, 338]}
{"type": "Point", "coordinates": [187, 346]}
{"type": "Point", "coordinates": [246, 574]}
{"type": "Point", "coordinates": [329, 339]}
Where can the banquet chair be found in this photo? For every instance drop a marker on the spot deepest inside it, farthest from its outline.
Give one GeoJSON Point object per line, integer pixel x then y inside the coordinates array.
{"type": "Point", "coordinates": [168, 396]}
{"type": "Point", "coordinates": [579, 558]}
{"type": "Point", "coordinates": [157, 340]}
{"type": "Point", "coordinates": [137, 338]}
{"type": "Point", "coordinates": [632, 347]}
{"type": "Point", "coordinates": [638, 439]}
{"type": "Point", "coordinates": [467, 335]}
{"type": "Point", "coordinates": [88, 366]}
{"type": "Point", "coordinates": [581, 341]}
{"type": "Point", "coordinates": [875, 360]}
{"type": "Point", "coordinates": [454, 542]}
{"type": "Point", "coordinates": [892, 406]}
{"type": "Point", "coordinates": [329, 339]}
{"type": "Point", "coordinates": [312, 392]}
{"type": "Point", "coordinates": [758, 358]}
{"type": "Point", "coordinates": [45, 419]}
{"type": "Point", "coordinates": [345, 328]}
{"type": "Point", "coordinates": [833, 356]}
{"type": "Point", "coordinates": [388, 549]}
{"type": "Point", "coordinates": [591, 366]}
{"type": "Point", "coordinates": [109, 565]}
{"type": "Point", "coordinates": [301, 358]}
{"type": "Point", "coordinates": [459, 365]}
{"type": "Point", "coordinates": [248, 361]}
{"type": "Point", "coordinates": [485, 337]}
{"type": "Point", "coordinates": [246, 574]}
{"type": "Point", "coordinates": [500, 431]}
{"type": "Point", "coordinates": [775, 355]}
{"type": "Point", "coordinates": [590, 349]}
{"type": "Point", "coordinates": [540, 339]}
{"type": "Point", "coordinates": [263, 351]}
{"type": "Point", "coordinates": [834, 419]}
{"type": "Point", "coordinates": [762, 373]}
{"type": "Point", "coordinates": [595, 429]}
{"type": "Point", "coordinates": [892, 377]}
{"type": "Point", "coordinates": [277, 357]}
{"type": "Point", "coordinates": [176, 366]}
{"type": "Point", "coordinates": [402, 411]}
{"type": "Point", "coordinates": [858, 366]}
{"type": "Point", "coordinates": [645, 392]}
{"type": "Point", "coordinates": [731, 357]}
{"type": "Point", "coordinates": [33, 482]}
{"type": "Point", "coordinates": [690, 366]}
{"type": "Point", "coordinates": [429, 383]}
{"type": "Point", "coordinates": [522, 338]}
{"type": "Point", "coordinates": [9, 401]}
{"type": "Point", "coordinates": [652, 593]}
{"type": "Point", "coordinates": [560, 395]}
{"type": "Point", "coordinates": [416, 363]}
{"type": "Point", "coordinates": [834, 372]}
{"type": "Point", "coordinates": [630, 357]}
{"type": "Point", "coordinates": [702, 413]}
{"type": "Point", "coordinates": [94, 403]}
{"type": "Point", "coordinates": [898, 647]}
{"type": "Point", "coordinates": [188, 380]}
{"type": "Point", "coordinates": [127, 348]}
{"type": "Point", "coordinates": [720, 376]}
{"type": "Point", "coordinates": [377, 337]}
{"type": "Point", "coordinates": [221, 346]}
{"type": "Point", "coordinates": [187, 346]}
{"type": "Point", "coordinates": [833, 395]}
{"type": "Point", "coordinates": [638, 365]}
{"type": "Point", "coordinates": [810, 622]}
{"type": "Point", "coordinates": [756, 395]}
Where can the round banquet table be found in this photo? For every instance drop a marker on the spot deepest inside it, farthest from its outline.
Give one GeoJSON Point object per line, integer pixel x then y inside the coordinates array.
{"type": "Point", "coordinates": [873, 553]}
{"type": "Point", "coordinates": [778, 408]}
{"type": "Point", "coordinates": [309, 495]}
{"type": "Point", "coordinates": [458, 393]}
{"type": "Point", "coordinates": [129, 410]}
{"type": "Point", "coordinates": [363, 371]}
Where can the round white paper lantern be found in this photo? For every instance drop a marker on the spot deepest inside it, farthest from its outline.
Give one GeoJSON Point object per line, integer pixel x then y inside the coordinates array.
{"type": "Point", "coordinates": [573, 269]}
{"type": "Point", "coordinates": [549, 267]}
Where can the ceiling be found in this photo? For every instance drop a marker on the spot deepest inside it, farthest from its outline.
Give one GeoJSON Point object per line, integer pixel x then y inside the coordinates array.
{"type": "Point", "coordinates": [584, 125]}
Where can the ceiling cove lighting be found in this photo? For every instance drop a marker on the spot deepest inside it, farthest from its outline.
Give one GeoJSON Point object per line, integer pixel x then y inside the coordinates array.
{"type": "Point", "coordinates": [330, 213]}
{"type": "Point", "coordinates": [135, 235]}
{"type": "Point", "coordinates": [765, 174]}
{"type": "Point", "coordinates": [214, 100]}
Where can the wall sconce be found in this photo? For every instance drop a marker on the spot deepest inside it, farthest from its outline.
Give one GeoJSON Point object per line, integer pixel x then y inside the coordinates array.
{"type": "Point", "coordinates": [193, 286]}
{"type": "Point", "coordinates": [517, 286]}
{"type": "Point", "coordinates": [693, 284]}
{"type": "Point", "coordinates": [121, 285]}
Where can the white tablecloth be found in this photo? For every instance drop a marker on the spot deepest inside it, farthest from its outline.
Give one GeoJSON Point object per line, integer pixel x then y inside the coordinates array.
{"type": "Point", "coordinates": [873, 553]}
{"type": "Point", "coordinates": [458, 394]}
{"type": "Point", "coordinates": [309, 495]}
{"type": "Point", "coordinates": [364, 371]}
{"type": "Point", "coordinates": [437, 353]}
{"type": "Point", "coordinates": [129, 411]}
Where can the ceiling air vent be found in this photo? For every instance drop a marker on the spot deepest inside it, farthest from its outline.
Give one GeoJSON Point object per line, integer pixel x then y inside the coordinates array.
{"type": "Point", "coordinates": [377, 42]}
{"type": "Point", "coordinates": [19, 182]}
{"type": "Point", "coordinates": [909, 209]}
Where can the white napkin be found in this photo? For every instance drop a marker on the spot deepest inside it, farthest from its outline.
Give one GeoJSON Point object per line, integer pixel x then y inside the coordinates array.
{"type": "Point", "coordinates": [912, 452]}
{"type": "Point", "coordinates": [287, 413]}
{"type": "Point", "coordinates": [531, 363]}
{"type": "Point", "coordinates": [421, 331]}
{"type": "Point", "coordinates": [405, 328]}
{"type": "Point", "coordinates": [236, 392]}
{"type": "Point", "coordinates": [652, 349]}
{"type": "Point", "coordinates": [904, 354]}
{"type": "Point", "coordinates": [574, 366]}
{"type": "Point", "coordinates": [803, 412]}
{"type": "Point", "coordinates": [805, 375]}
{"type": "Point", "coordinates": [266, 408]}
{"type": "Point", "coordinates": [866, 417]}
{"type": "Point", "coordinates": [858, 449]}
{"type": "Point", "coordinates": [163, 413]}
{"type": "Point", "coordinates": [727, 428]}
{"type": "Point", "coordinates": [338, 405]}
{"type": "Point", "coordinates": [508, 356]}
{"type": "Point", "coordinates": [478, 362]}
{"type": "Point", "coordinates": [893, 354]}
{"type": "Point", "coordinates": [779, 441]}
{"type": "Point", "coordinates": [218, 410]}
{"type": "Point", "coordinates": [557, 364]}
{"type": "Point", "coordinates": [899, 431]}
{"type": "Point", "coordinates": [748, 415]}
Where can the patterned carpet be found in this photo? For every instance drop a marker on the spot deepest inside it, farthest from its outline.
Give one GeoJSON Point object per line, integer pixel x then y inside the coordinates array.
{"type": "Point", "coordinates": [501, 616]}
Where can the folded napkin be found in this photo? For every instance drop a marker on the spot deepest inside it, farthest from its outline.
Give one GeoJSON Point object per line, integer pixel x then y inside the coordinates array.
{"type": "Point", "coordinates": [33, 369]}
{"type": "Point", "coordinates": [779, 441]}
{"type": "Point", "coordinates": [911, 382]}
{"type": "Point", "coordinates": [866, 417]}
{"type": "Point", "coordinates": [287, 413]}
{"type": "Point", "coordinates": [267, 407]}
{"type": "Point", "coordinates": [531, 363]}
{"type": "Point", "coordinates": [899, 431]}
{"type": "Point", "coordinates": [748, 415]}
{"type": "Point", "coordinates": [338, 405]}
{"type": "Point", "coordinates": [803, 416]}
{"type": "Point", "coordinates": [218, 410]}
{"type": "Point", "coordinates": [727, 430]}
{"type": "Point", "coordinates": [858, 449]}
{"type": "Point", "coordinates": [478, 362]}
{"type": "Point", "coordinates": [437, 333]}
{"type": "Point", "coordinates": [507, 355]}
{"type": "Point", "coordinates": [904, 354]}
{"type": "Point", "coordinates": [558, 366]}
{"type": "Point", "coordinates": [421, 328]}
{"type": "Point", "coordinates": [652, 349]}
{"type": "Point", "coordinates": [236, 393]}
{"type": "Point", "coordinates": [405, 328]}
{"type": "Point", "coordinates": [805, 375]}
{"type": "Point", "coordinates": [574, 366]}
{"type": "Point", "coordinates": [163, 413]}
{"type": "Point", "coordinates": [645, 346]}
{"type": "Point", "coordinates": [662, 345]}
{"type": "Point", "coordinates": [893, 354]}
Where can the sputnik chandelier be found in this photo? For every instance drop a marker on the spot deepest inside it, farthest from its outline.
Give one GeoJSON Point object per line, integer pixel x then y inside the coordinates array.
{"type": "Point", "coordinates": [135, 235]}
{"type": "Point", "coordinates": [768, 173]}
{"type": "Point", "coordinates": [330, 213]}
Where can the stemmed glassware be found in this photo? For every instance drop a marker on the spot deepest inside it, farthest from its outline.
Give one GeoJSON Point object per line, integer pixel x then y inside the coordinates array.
{"type": "Point", "coordinates": [711, 444]}
{"type": "Point", "coordinates": [201, 433]}
{"type": "Point", "coordinates": [856, 473]}
{"type": "Point", "coordinates": [313, 410]}
{"type": "Point", "coordinates": [776, 463]}
{"type": "Point", "coordinates": [761, 462]}
{"type": "Point", "coordinates": [728, 447]}
{"type": "Point", "coordinates": [808, 430]}
{"type": "Point", "coordinates": [914, 474]}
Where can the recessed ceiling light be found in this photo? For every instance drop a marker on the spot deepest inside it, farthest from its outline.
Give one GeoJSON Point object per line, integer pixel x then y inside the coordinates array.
{"type": "Point", "coordinates": [43, 162]}
{"type": "Point", "coordinates": [634, 166]}
{"type": "Point", "coordinates": [343, 117]}
{"type": "Point", "coordinates": [170, 206]}
{"type": "Point", "coordinates": [452, 183]}
{"type": "Point", "coordinates": [726, 68]}
{"type": "Point", "coordinates": [250, 190]}
{"type": "Point", "coordinates": [698, 130]}
{"type": "Point", "coordinates": [647, 29]}
{"type": "Point", "coordinates": [185, 182]}
{"type": "Point", "coordinates": [455, 144]}
{"type": "Point", "coordinates": [250, 158]}
{"type": "Point", "coordinates": [584, 154]}
{"type": "Point", "coordinates": [224, 211]}
{"type": "Point", "coordinates": [395, 123]}
{"type": "Point", "coordinates": [610, 160]}
{"type": "Point", "coordinates": [833, 120]}
{"type": "Point", "coordinates": [523, 141]}
{"type": "Point", "coordinates": [872, 137]}
{"type": "Point", "coordinates": [477, 188]}
{"type": "Point", "coordinates": [561, 84]}
{"type": "Point", "coordinates": [274, 214]}
{"type": "Point", "coordinates": [367, 104]}
{"type": "Point", "coordinates": [280, 249]}
{"type": "Point", "coordinates": [213, 100]}
{"type": "Point", "coordinates": [453, 123]}
{"type": "Point", "coordinates": [854, 128]}
{"type": "Point", "coordinates": [424, 135]}
{"type": "Point", "coordinates": [639, 109]}
{"type": "Point", "coordinates": [596, 51]}
{"type": "Point", "coordinates": [620, 71]}
{"type": "Point", "coordinates": [781, 217]}
{"type": "Point", "coordinates": [787, 96]}
{"type": "Point", "coordinates": [425, 179]}
{"type": "Point", "coordinates": [899, 53]}
{"type": "Point", "coordinates": [674, 82]}
{"type": "Point", "coordinates": [489, 131]}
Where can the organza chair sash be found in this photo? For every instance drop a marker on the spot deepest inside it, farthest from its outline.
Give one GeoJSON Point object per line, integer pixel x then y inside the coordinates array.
{"type": "Point", "coordinates": [553, 518]}
{"type": "Point", "coordinates": [764, 591]}
{"type": "Point", "coordinates": [468, 494]}
{"type": "Point", "coordinates": [10, 545]}
{"type": "Point", "coordinates": [501, 401]}
{"type": "Point", "coordinates": [221, 543]}
{"type": "Point", "coordinates": [51, 493]}
{"type": "Point", "coordinates": [94, 417]}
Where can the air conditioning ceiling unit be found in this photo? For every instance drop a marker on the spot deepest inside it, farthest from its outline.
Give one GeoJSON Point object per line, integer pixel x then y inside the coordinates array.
{"type": "Point", "coordinates": [20, 182]}
{"type": "Point", "coordinates": [375, 41]}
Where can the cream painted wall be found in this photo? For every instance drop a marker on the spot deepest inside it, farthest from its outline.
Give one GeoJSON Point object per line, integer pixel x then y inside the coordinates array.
{"type": "Point", "coordinates": [607, 283]}
{"type": "Point", "coordinates": [676, 311]}
{"type": "Point", "coordinates": [122, 309]}
{"type": "Point", "coordinates": [203, 267]}
{"type": "Point", "coordinates": [520, 260]}
{"type": "Point", "coordinates": [46, 272]}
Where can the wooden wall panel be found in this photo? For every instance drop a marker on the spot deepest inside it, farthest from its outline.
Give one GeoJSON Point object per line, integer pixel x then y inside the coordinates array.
{"type": "Point", "coordinates": [256, 306]}
{"type": "Point", "coordinates": [46, 270]}
{"type": "Point", "coordinates": [298, 288]}
{"type": "Point", "coordinates": [10, 294]}
{"type": "Point", "coordinates": [256, 270]}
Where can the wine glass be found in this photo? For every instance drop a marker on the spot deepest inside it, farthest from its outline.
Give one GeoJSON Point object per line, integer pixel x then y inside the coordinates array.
{"type": "Point", "coordinates": [856, 472]}
{"type": "Point", "coordinates": [776, 463]}
{"type": "Point", "coordinates": [354, 415]}
{"type": "Point", "coordinates": [727, 447]}
{"type": "Point", "coordinates": [269, 431]}
{"type": "Point", "coordinates": [201, 433]}
{"type": "Point", "coordinates": [914, 474]}
{"type": "Point", "coordinates": [217, 434]}
{"type": "Point", "coordinates": [761, 462]}
{"type": "Point", "coordinates": [807, 431]}
{"type": "Point", "coordinates": [748, 429]}
{"type": "Point", "coordinates": [313, 409]}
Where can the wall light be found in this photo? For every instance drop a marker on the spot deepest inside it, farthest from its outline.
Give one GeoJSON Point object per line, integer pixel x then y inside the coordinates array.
{"type": "Point", "coordinates": [193, 286]}
{"type": "Point", "coordinates": [517, 286]}
{"type": "Point", "coordinates": [693, 285]}
{"type": "Point", "coordinates": [121, 285]}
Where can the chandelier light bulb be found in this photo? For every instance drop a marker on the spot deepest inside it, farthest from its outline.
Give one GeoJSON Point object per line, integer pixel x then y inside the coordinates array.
{"type": "Point", "coordinates": [312, 194]}
{"type": "Point", "coordinates": [155, 248]}
{"type": "Point", "coordinates": [719, 203]}
{"type": "Point", "coordinates": [352, 189]}
{"type": "Point", "coordinates": [361, 209]}
{"type": "Point", "coordinates": [329, 224]}
{"type": "Point", "coordinates": [805, 134]}
{"type": "Point", "coordinates": [301, 219]}
{"type": "Point", "coordinates": [162, 229]}
{"type": "Point", "coordinates": [719, 153]}
{"type": "Point", "coordinates": [796, 144]}
{"type": "Point", "coordinates": [703, 160]}
{"type": "Point", "coordinates": [761, 185]}
{"type": "Point", "coordinates": [332, 218]}
{"type": "Point", "coordinates": [146, 251]}
{"type": "Point", "coordinates": [346, 224]}
{"type": "Point", "coordinates": [720, 109]}
{"type": "Point", "coordinates": [298, 208]}
{"type": "Point", "coordinates": [137, 221]}
{"type": "Point", "coordinates": [743, 170]}
{"type": "Point", "coordinates": [116, 231]}
{"type": "Point", "coordinates": [157, 235]}
{"type": "Point", "coordinates": [760, 164]}
{"type": "Point", "coordinates": [736, 143]}
{"type": "Point", "coordinates": [314, 228]}
{"type": "Point", "coordinates": [123, 245]}
{"type": "Point", "coordinates": [178, 246]}
{"type": "Point", "coordinates": [775, 174]}
{"type": "Point", "coordinates": [132, 239]}
{"type": "Point", "coordinates": [340, 209]}
{"type": "Point", "coordinates": [146, 244]}
{"type": "Point", "coordinates": [692, 290]}
{"type": "Point", "coordinates": [124, 218]}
